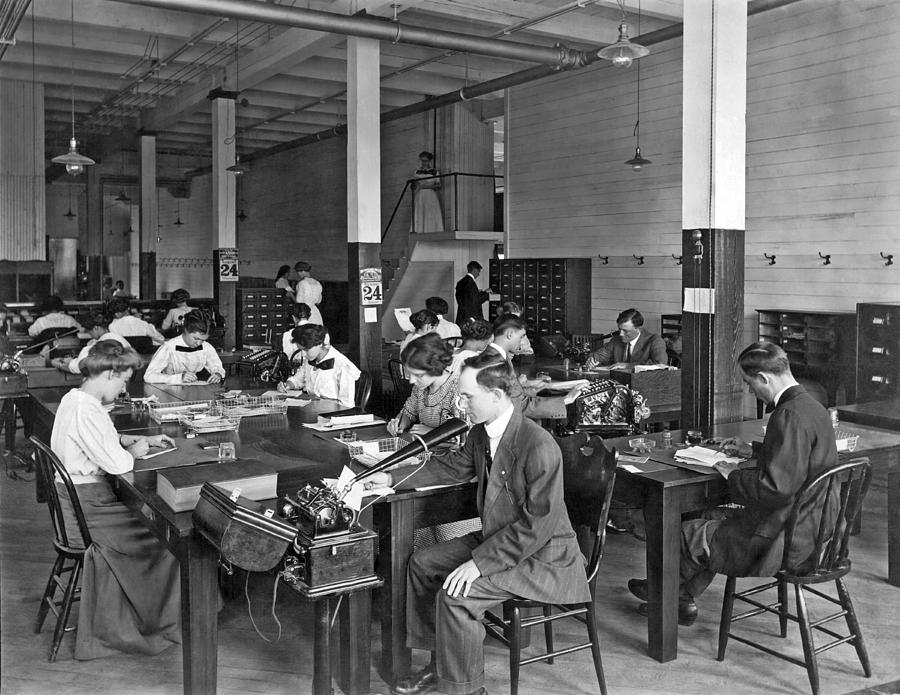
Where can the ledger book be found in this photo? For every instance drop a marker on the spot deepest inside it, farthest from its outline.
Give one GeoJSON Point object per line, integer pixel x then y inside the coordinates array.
{"type": "Point", "coordinates": [180, 487]}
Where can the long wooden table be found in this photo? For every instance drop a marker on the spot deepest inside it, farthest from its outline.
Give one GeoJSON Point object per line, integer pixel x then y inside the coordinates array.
{"type": "Point", "coordinates": [299, 455]}
{"type": "Point", "coordinates": [666, 491]}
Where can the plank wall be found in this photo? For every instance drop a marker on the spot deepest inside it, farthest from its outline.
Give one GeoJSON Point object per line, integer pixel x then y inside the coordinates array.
{"type": "Point", "coordinates": [183, 256]}
{"type": "Point", "coordinates": [823, 133]}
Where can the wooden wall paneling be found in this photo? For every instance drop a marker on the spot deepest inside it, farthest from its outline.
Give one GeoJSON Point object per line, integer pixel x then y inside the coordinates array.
{"type": "Point", "coordinates": [192, 240]}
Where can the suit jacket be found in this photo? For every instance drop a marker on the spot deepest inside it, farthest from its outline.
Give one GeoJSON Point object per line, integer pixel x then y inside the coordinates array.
{"type": "Point", "coordinates": [799, 445]}
{"type": "Point", "coordinates": [469, 300]}
{"type": "Point", "coordinates": [649, 349]}
{"type": "Point", "coordinates": [527, 544]}
{"type": "Point", "coordinates": [529, 403]}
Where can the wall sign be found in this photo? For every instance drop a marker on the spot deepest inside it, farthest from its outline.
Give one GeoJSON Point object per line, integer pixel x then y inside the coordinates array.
{"type": "Point", "coordinates": [228, 265]}
{"type": "Point", "coordinates": [370, 291]}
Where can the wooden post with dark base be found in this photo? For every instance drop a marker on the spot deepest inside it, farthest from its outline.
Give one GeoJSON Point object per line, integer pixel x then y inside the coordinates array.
{"type": "Point", "coordinates": [225, 294]}
{"type": "Point", "coordinates": [365, 338]}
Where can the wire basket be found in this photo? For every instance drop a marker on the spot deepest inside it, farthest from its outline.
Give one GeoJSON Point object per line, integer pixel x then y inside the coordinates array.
{"type": "Point", "coordinates": [173, 412]}
{"type": "Point", "coordinates": [204, 424]}
{"type": "Point", "coordinates": [370, 452]}
{"type": "Point", "coordinates": [250, 406]}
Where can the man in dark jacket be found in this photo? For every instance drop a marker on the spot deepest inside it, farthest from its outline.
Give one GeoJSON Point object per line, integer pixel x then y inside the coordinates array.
{"type": "Point", "coordinates": [632, 345]}
{"type": "Point", "coordinates": [468, 297]}
{"type": "Point", "coordinates": [799, 445]}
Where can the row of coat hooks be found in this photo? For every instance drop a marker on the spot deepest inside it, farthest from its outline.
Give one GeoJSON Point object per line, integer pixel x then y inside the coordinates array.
{"type": "Point", "coordinates": [634, 259]}
{"type": "Point", "coordinates": [184, 262]}
{"type": "Point", "coordinates": [772, 259]}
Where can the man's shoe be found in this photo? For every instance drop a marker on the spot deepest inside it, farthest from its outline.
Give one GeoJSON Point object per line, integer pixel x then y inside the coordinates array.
{"type": "Point", "coordinates": [422, 682]}
{"type": "Point", "coordinates": [613, 528]}
{"type": "Point", "coordinates": [687, 612]}
{"type": "Point", "coordinates": [638, 587]}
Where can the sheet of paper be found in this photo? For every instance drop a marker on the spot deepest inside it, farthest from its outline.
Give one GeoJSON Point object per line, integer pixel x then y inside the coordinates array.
{"type": "Point", "coordinates": [704, 456]}
{"type": "Point", "coordinates": [152, 454]}
{"type": "Point", "coordinates": [630, 468]}
{"type": "Point", "coordinates": [332, 428]}
{"type": "Point", "coordinates": [402, 315]}
{"type": "Point", "coordinates": [629, 458]}
{"type": "Point", "coordinates": [370, 314]}
{"type": "Point", "coordinates": [699, 300]}
{"type": "Point", "coordinates": [296, 402]}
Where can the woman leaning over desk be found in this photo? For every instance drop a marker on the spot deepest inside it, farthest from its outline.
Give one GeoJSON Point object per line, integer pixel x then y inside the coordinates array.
{"type": "Point", "coordinates": [130, 593]}
{"type": "Point", "coordinates": [435, 387]}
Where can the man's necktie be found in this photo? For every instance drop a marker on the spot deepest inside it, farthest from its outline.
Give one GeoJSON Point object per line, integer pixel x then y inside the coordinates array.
{"type": "Point", "coordinates": [185, 348]}
{"type": "Point", "coordinates": [628, 352]}
{"type": "Point", "coordinates": [488, 460]}
{"type": "Point", "coordinates": [323, 364]}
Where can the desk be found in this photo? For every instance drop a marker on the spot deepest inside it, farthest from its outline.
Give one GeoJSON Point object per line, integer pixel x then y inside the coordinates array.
{"type": "Point", "coordinates": [666, 492]}
{"type": "Point", "coordinates": [299, 456]}
{"type": "Point", "coordinates": [885, 414]}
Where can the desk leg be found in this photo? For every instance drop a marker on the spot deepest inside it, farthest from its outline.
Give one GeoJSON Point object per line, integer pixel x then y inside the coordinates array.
{"type": "Point", "coordinates": [356, 646]}
{"type": "Point", "coordinates": [893, 510]}
{"type": "Point", "coordinates": [663, 526]}
{"type": "Point", "coordinates": [395, 552]}
{"type": "Point", "coordinates": [199, 617]}
{"type": "Point", "coordinates": [321, 684]}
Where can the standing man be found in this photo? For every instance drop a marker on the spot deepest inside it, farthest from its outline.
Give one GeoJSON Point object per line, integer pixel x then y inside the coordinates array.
{"type": "Point", "coordinates": [308, 291]}
{"type": "Point", "coordinates": [468, 297]}
{"type": "Point", "coordinates": [633, 345]}
{"type": "Point", "coordinates": [526, 548]}
{"type": "Point", "coordinates": [798, 446]}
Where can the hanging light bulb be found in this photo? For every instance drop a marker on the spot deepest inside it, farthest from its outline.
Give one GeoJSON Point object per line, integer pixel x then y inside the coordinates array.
{"type": "Point", "coordinates": [638, 162]}
{"type": "Point", "coordinates": [75, 162]}
{"type": "Point", "coordinates": [623, 52]}
{"type": "Point", "coordinates": [237, 168]}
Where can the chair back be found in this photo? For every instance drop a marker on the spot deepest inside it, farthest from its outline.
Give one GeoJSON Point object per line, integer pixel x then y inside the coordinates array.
{"type": "Point", "coordinates": [142, 344]}
{"type": "Point", "coordinates": [50, 467]}
{"type": "Point", "coordinates": [848, 483]}
{"type": "Point", "coordinates": [454, 342]}
{"type": "Point", "coordinates": [589, 474]}
{"type": "Point", "coordinates": [398, 377]}
{"type": "Point", "coordinates": [363, 390]}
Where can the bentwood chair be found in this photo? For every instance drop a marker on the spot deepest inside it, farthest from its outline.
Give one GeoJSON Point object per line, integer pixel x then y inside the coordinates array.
{"type": "Point", "coordinates": [589, 470]}
{"type": "Point", "coordinates": [828, 562]}
{"type": "Point", "coordinates": [363, 390]}
{"type": "Point", "coordinates": [66, 572]}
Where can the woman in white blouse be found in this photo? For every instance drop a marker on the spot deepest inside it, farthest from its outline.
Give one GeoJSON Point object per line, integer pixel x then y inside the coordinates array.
{"type": "Point", "coordinates": [52, 316]}
{"type": "Point", "coordinates": [130, 590]}
{"type": "Point", "coordinates": [187, 358]}
{"type": "Point", "coordinates": [325, 372]}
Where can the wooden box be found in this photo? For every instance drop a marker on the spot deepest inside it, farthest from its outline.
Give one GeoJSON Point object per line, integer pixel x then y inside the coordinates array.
{"type": "Point", "coordinates": [13, 383]}
{"type": "Point", "coordinates": [322, 562]}
{"type": "Point", "coordinates": [658, 386]}
{"type": "Point", "coordinates": [241, 530]}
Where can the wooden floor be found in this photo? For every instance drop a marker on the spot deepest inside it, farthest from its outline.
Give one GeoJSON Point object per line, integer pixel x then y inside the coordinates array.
{"type": "Point", "coordinates": [247, 664]}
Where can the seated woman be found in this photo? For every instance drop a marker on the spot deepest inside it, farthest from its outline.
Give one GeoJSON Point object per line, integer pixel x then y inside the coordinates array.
{"type": "Point", "coordinates": [325, 372]}
{"type": "Point", "coordinates": [172, 324]}
{"type": "Point", "coordinates": [128, 326]}
{"type": "Point", "coordinates": [476, 335]}
{"type": "Point", "coordinates": [130, 590]}
{"type": "Point", "coordinates": [435, 387]}
{"type": "Point", "coordinates": [187, 358]}
{"type": "Point", "coordinates": [98, 326]}
{"type": "Point", "coordinates": [52, 316]}
{"type": "Point", "coordinates": [424, 322]}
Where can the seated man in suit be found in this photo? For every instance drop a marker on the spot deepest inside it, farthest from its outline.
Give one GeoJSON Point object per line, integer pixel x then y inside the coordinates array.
{"type": "Point", "coordinates": [633, 345]}
{"type": "Point", "coordinates": [798, 446]}
{"type": "Point", "coordinates": [526, 547]}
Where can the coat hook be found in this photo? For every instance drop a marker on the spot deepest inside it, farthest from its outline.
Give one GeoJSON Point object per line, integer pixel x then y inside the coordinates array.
{"type": "Point", "coordinates": [605, 259]}
{"type": "Point", "coordinates": [677, 259]}
{"type": "Point", "coordinates": [639, 259]}
{"type": "Point", "coordinates": [771, 258]}
{"type": "Point", "coordinates": [888, 259]}
{"type": "Point", "coordinates": [827, 258]}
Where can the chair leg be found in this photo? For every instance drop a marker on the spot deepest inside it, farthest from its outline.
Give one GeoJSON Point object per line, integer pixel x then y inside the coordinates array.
{"type": "Point", "coordinates": [44, 608]}
{"type": "Point", "coordinates": [65, 609]}
{"type": "Point", "coordinates": [548, 633]}
{"type": "Point", "coordinates": [782, 606]}
{"type": "Point", "coordinates": [725, 621]}
{"type": "Point", "coordinates": [515, 649]}
{"type": "Point", "coordinates": [853, 626]}
{"type": "Point", "coordinates": [812, 667]}
{"type": "Point", "coordinates": [594, 636]}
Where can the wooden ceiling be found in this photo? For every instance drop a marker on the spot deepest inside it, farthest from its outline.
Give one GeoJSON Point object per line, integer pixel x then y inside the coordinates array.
{"type": "Point", "coordinates": [136, 67]}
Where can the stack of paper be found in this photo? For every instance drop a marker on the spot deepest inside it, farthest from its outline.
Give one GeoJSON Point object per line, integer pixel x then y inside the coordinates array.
{"type": "Point", "coordinates": [702, 456]}
{"type": "Point", "coordinates": [343, 420]}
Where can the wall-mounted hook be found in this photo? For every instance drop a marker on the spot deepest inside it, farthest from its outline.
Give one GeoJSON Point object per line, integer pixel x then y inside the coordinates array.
{"type": "Point", "coordinates": [771, 258]}
{"type": "Point", "coordinates": [826, 257]}
{"type": "Point", "coordinates": [605, 259]}
{"type": "Point", "coordinates": [888, 259]}
{"type": "Point", "coordinates": [639, 259]}
{"type": "Point", "coordinates": [677, 259]}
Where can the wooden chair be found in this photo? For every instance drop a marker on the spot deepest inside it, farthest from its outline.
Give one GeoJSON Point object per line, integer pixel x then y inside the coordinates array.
{"type": "Point", "coordinates": [830, 562]}
{"type": "Point", "coordinates": [454, 342]}
{"type": "Point", "coordinates": [69, 551]}
{"type": "Point", "coordinates": [142, 344]}
{"type": "Point", "coordinates": [363, 390]}
{"type": "Point", "coordinates": [590, 473]}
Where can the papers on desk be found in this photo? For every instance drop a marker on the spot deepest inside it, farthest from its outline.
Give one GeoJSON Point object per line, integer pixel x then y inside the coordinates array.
{"type": "Point", "coordinates": [628, 458]}
{"type": "Point", "coordinates": [153, 454]}
{"type": "Point", "coordinates": [630, 469]}
{"type": "Point", "coordinates": [701, 456]}
{"type": "Point", "coordinates": [145, 399]}
{"type": "Point", "coordinates": [353, 495]}
{"type": "Point", "coordinates": [638, 368]}
{"type": "Point", "coordinates": [565, 385]}
{"type": "Point", "coordinates": [403, 319]}
{"type": "Point", "coordinates": [340, 419]}
{"type": "Point", "coordinates": [320, 427]}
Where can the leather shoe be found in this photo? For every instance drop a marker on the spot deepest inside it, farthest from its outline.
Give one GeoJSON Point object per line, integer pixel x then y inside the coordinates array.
{"type": "Point", "coordinates": [422, 682]}
{"type": "Point", "coordinates": [613, 528]}
{"type": "Point", "coordinates": [638, 587]}
{"type": "Point", "coordinates": [687, 612]}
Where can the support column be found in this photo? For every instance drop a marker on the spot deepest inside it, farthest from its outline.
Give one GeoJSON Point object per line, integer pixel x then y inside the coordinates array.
{"type": "Point", "coordinates": [224, 193]}
{"type": "Point", "coordinates": [364, 206]}
{"type": "Point", "coordinates": [148, 230]}
{"type": "Point", "coordinates": [713, 192]}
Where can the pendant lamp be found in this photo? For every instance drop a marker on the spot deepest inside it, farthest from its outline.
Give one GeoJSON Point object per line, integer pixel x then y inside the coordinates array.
{"type": "Point", "coordinates": [237, 168]}
{"type": "Point", "coordinates": [74, 162]}
{"type": "Point", "coordinates": [70, 215]}
{"type": "Point", "coordinates": [623, 52]}
{"type": "Point", "coordinates": [638, 162]}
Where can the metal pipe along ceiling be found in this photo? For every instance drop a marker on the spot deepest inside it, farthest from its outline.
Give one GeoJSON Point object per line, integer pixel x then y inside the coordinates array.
{"type": "Point", "coordinates": [372, 28]}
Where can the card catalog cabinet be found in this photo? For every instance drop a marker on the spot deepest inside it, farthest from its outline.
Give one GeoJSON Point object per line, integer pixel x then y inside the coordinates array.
{"type": "Point", "coordinates": [819, 345]}
{"type": "Point", "coordinates": [265, 313]}
{"type": "Point", "coordinates": [878, 351]}
{"type": "Point", "coordinates": [554, 293]}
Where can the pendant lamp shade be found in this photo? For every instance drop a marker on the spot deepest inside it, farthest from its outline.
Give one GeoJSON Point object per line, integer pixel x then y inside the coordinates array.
{"type": "Point", "coordinates": [75, 162]}
{"type": "Point", "coordinates": [237, 168]}
{"type": "Point", "coordinates": [638, 162]}
{"type": "Point", "coordinates": [623, 52]}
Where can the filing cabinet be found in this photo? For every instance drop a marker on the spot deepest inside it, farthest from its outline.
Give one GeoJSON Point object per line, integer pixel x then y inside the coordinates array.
{"type": "Point", "coordinates": [877, 351]}
{"type": "Point", "coordinates": [554, 293]}
{"type": "Point", "coordinates": [264, 314]}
